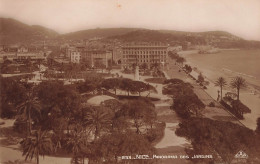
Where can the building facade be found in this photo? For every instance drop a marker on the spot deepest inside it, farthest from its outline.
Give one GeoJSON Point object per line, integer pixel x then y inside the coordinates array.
{"type": "Point", "coordinates": [96, 58]}
{"type": "Point", "coordinates": [87, 56]}
{"type": "Point", "coordinates": [144, 53]}
{"type": "Point", "coordinates": [22, 53]}
{"type": "Point", "coordinates": [75, 56]}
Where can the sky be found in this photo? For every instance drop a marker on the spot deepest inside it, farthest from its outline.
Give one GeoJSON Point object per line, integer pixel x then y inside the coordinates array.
{"type": "Point", "coordinates": [239, 17]}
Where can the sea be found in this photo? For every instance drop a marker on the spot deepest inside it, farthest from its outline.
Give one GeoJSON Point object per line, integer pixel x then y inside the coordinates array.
{"type": "Point", "coordinates": [229, 64]}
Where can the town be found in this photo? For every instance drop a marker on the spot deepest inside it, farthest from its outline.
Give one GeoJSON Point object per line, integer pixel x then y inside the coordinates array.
{"type": "Point", "coordinates": [126, 95]}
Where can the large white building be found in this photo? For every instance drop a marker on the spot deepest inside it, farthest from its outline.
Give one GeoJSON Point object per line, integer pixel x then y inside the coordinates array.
{"type": "Point", "coordinates": [144, 53]}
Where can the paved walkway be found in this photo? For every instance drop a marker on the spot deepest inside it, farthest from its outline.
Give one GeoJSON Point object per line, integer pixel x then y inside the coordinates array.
{"type": "Point", "coordinates": [218, 112]}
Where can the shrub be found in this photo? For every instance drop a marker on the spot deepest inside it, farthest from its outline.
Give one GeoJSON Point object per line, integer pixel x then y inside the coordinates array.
{"type": "Point", "coordinates": [204, 87]}
{"type": "Point", "coordinates": [211, 104]}
{"type": "Point", "coordinates": [240, 107]}
{"type": "Point", "coordinates": [230, 109]}
{"type": "Point", "coordinates": [20, 125]}
{"type": "Point", "coordinates": [156, 134]}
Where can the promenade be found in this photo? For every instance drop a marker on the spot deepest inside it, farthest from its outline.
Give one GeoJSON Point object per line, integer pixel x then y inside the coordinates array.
{"type": "Point", "coordinates": [217, 112]}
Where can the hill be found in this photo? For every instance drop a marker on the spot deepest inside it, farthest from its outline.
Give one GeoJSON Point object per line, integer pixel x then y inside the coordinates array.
{"type": "Point", "coordinates": [166, 36]}
{"type": "Point", "coordinates": [219, 39]}
{"type": "Point", "coordinates": [13, 31]}
{"type": "Point", "coordinates": [98, 32]}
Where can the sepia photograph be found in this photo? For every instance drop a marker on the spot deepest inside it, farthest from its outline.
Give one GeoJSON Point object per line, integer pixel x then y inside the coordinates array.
{"type": "Point", "coordinates": [129, 81]}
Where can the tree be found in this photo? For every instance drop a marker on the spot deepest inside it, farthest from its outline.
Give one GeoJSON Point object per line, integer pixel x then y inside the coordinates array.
{"type": "Point", "coordinates": [77, 145]}
{"type": "Point", "coordinates": [113, 104]}
{"type": "Point", "coordinates": [111, 83]}
{"type": "Point", "coordinates": [144, 66]}
{"type": "Point", "coordinates": [258, 126]}
{"type": "Point", "coordinates": [97, 119]}
{"type": "Point", "coordinates": [221, 82]}
{"type": "Point", "coordinates": [200, 78]}
{"type": "Point", "coordinates": [188, 105]}
{"type": "Point", "coordinates": [38, 144]}
{"type": "Point", "coordinates": [134, 65]}
{"type": "Point", "coordinates": [238, 83]}
{"type": "Point", "coordinates": [173, 55]}
{"type": "Point", "coordinates": [139, 86]}
{"type": "Point", "coordinates": [126, 85]}
{"type": "Point", "coordinates": [155, 66]}
{"type": "Point", "coordinates": [188, 68]}
{"type": "Point", "coordinates": [57, 101]}
{"type": "Point", "coordinates": [221, 139]}
{"type": "Point", "coordinates": [141, 111]}
{"type": "Point", "coordinates": [111, 146]}
{"type": "Point", "coordinates": [177, 87]}
{"type": "Point", "coordinates": [181, 60]}
{"type": "Point", "coordinates": [92, 83]}
{"type": "Point", "coordinates": [27, 108]}
{"type": "Point", "coordinates": [28, 63]}
{"type": "Point", "coordinates": [13, 93]}
{"type": "Point", "coordinates": [100, 64]}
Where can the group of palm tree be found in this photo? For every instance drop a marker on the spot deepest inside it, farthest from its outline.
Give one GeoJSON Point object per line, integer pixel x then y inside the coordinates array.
{"type": "Point", "coordinates": [38, 142]}
{"type": "Point", "coordinates": [237, 83]}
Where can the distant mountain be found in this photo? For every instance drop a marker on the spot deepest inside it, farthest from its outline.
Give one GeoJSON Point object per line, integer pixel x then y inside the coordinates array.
{"type": "Point", "coordinates": [158, 36]}
{"type": "Point", "coordinates": [13, 31]}
{"type": "Point", "coordinates": [204, 34]}
{"type": "Point", "coordinates": [219, 39]}
{"type": "Point", "coordinates": [98, 32]}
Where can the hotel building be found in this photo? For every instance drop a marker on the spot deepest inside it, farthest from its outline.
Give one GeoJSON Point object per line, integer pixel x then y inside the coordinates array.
{"type": "Point", "coordinates": [144, 53]}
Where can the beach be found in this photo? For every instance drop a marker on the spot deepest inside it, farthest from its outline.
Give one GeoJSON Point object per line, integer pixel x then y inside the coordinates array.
{"type": "Point", "coordinates": [229, 64]}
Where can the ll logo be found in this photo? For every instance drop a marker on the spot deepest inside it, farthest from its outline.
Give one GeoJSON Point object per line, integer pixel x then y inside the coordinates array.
{"type": "Point", "coordinates": [241, 154]}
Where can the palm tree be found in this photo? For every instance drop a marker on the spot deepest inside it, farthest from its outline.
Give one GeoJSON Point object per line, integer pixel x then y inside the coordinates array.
{"type": "Point", "coordinates": [38, 144]}
{"type": "Point", "coordinates": [238, 83]}
{"type": "Point", "coordinates": [28, 107]}
{"type": "Point", "coordinates": [221, 82]}
{"type": "Point", "coordinates": [97, 118]}
{"type": "Point", "coordinates": [76, 144]}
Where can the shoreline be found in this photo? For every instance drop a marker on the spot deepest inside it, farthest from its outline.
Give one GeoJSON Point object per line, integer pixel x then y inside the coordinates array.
{"type": "Point", "coordinates": [249, 96]}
